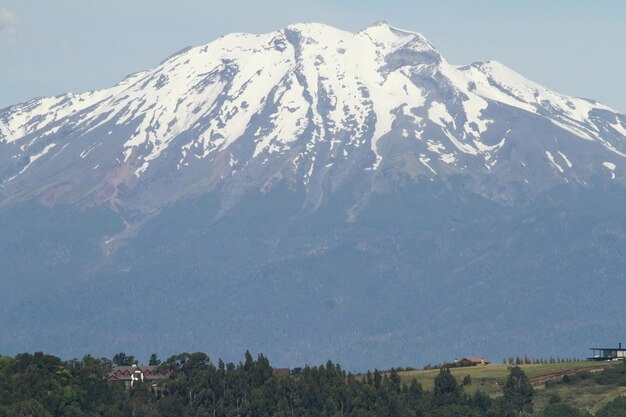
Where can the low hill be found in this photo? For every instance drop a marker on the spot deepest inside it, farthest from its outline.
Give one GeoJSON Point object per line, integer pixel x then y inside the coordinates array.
{"type": "Point", "coordinates": [569, 382]}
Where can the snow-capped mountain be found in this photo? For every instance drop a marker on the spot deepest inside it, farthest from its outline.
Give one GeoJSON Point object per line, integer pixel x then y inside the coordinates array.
{"type": "Point", "coordinates": [312, 106]}
{"type": "Point", "coordinates": [312, 193]}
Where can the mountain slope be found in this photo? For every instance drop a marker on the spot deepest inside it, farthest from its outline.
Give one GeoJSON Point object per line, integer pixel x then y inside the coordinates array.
{"type": "Point", "coordinates": [313, 193]}
{"type": "Point", "coordinates": [312, 105]}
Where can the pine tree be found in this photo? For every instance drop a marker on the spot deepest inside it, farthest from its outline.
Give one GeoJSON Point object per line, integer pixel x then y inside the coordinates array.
{"type": "Point", "coordinates": [394, 381]}
{"type": "Point", "coordinates": [447, 391]}
{"type": "Point", "coordinates": [154, 360]}
{"type": "Point", "coordinates": [518, 393]}
{"type": "Point", "coordinates": [122, 359]}
{"type": "Point", "coordinates": [467, 380]}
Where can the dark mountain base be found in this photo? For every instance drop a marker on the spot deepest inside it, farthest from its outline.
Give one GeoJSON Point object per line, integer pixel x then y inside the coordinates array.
{"type": "Point", "coordinates": [423, 275]}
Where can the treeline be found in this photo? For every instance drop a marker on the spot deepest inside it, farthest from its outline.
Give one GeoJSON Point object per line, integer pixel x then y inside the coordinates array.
{"type": "Point", "coordinates": [537, 361]}
{"type": "Point", "coordinates": [45, 386]}
{"type": "Point", "coordinates": [510, 361]}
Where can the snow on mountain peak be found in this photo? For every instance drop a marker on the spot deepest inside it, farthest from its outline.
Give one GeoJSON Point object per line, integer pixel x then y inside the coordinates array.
{"type": "Point", "coordinates": [313, 104]}
{"type": "Point", "coordinates": [389, 38]}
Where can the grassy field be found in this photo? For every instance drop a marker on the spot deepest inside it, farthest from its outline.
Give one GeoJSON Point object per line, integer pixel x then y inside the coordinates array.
{"type": "Point", "coordinates": [490, 378]}
{"type": "Point", "coordinates": [585, 395]}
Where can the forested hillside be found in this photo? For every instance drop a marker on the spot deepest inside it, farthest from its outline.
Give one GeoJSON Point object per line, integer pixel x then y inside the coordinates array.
{"type": "Point", "coordinates": [45, 386]}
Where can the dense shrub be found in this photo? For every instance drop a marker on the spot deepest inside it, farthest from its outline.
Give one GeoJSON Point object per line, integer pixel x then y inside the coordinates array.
{"type": "Point", "coordinates": [563, 410]}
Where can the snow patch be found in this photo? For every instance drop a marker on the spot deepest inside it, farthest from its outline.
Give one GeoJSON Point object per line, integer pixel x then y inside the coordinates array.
{"type": "Point", "coordinates": [611, 167]}
{"type": "Point", "coordinates": [36, 156]}
{"type": "Point", "coordinates": [436, 147]}
{"type": "Point", "coordinates": [553, 162]}
{"type": "Point", "coordinates": [619, 128]}
{"type": "Point", "coordinates": [567, 161]}
{"type": "Point", "coordinates": [448, 158]}
{"type": "Point", "coordinates": [438, 113]}
{"type": "Point", "coordinates": [425, 160]}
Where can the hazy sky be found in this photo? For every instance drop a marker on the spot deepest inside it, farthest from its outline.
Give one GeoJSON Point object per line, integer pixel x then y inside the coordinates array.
{"type": "Point", "coordinates": [577, 47]}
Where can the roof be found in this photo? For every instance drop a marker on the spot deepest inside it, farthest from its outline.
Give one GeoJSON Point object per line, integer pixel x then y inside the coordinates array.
{"type": "Point", "coordinates": [619, 349]}
{"type": "Point", "coordinates": [476, 359]}
{"type": "Point", "coordinates": [124, 373]}
{"type": "Point", "coordinates": [282, 372]}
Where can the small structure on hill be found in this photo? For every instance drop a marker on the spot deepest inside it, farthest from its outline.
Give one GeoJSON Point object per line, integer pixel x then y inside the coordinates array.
{"type": "Point", "coordinates": [471, 361]}
{"type": "Point", "coordinates": [281, 372]}
{"type": "Point", "coordinates": [608, 354]}
{"type": "Point", "coordinates": [136, 373]}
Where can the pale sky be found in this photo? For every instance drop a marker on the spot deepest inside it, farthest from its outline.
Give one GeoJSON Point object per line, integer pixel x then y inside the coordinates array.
{"type": "Point", "coordinates": [49, 47]}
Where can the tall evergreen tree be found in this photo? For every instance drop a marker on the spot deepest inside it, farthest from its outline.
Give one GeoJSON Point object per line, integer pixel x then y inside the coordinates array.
{"type": "Point", "coordinates": [518, 393]}
{"type": "Point", "coordinates": [447, 390]}
{"type": "Point", "coordinates": [122, 359]}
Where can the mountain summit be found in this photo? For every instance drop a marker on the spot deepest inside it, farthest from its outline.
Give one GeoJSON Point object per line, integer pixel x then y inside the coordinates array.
{"type": "Point", "coordinates": [313, 193]}
{"type": "Point", "coordinates": [312, 106]}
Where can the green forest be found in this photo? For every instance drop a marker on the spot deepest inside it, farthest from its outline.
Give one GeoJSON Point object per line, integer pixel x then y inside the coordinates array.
{"type": "Point", "coordinates": [43, 385]}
